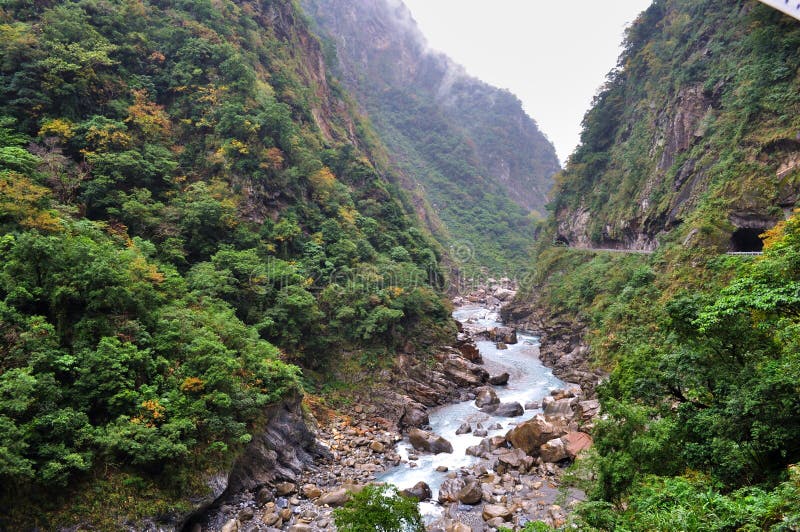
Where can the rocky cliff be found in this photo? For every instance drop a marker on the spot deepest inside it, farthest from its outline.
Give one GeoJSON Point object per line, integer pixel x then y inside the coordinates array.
{"type": "Point", "coordinates": [696, 129]}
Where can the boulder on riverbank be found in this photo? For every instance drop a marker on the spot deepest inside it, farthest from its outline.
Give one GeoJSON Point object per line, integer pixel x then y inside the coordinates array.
{"type": "Point", "coordinates": [530, 435]}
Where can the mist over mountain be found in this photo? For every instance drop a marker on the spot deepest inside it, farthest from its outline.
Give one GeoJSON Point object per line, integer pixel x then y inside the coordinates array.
{"type": "Point", "coordinates": [469, 145]}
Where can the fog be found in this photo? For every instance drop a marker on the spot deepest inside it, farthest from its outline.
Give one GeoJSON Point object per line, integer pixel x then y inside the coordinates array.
{"type": "Point", "coordinates": [553, 55]}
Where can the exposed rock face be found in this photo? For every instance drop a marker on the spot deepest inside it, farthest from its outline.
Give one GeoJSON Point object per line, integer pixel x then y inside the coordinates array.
{"type": "Point", "coordinates": [279, 452]}
{"type": "Point", "coordinates": [562, 347]}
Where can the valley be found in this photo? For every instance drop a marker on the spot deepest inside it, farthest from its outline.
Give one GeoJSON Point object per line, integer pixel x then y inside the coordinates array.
{"type": "Point", "coordinates": [279, 265]}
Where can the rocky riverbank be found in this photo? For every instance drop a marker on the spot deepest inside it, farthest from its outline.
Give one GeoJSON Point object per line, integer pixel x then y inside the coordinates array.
{"type": "Point", "coordinates": [513, 479]}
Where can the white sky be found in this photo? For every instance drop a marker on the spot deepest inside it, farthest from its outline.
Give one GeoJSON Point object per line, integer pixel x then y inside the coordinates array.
{"type": "Point", "coordinates": [553, 54]}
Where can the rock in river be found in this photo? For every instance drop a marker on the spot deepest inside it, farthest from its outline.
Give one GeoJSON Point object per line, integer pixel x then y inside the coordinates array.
{"type": "Point", "coordinates": [431, 443]}
{"type": "Point", "coordinates": [421, 491]}
{"type": "Point", "coordinates": [499, 380]}
{"type": "Point", "coordinates": [486, 396]}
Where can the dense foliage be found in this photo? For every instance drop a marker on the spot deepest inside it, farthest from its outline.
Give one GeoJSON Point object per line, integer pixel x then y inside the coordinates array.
{"type": "Point", "coordinates": [379, 508]}
{"type": "Point", "coordinates": [693, 136]}
{"type": "Point", "coordinates": [187, 205]}
{"type": "Point", "coordinates": [702, 401]}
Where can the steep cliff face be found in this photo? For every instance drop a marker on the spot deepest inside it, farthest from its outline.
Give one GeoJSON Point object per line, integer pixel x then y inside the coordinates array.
{"type": "Point", "coordinates": [468, 145]}
{"type": "Point", "coordinates": [696, 129]}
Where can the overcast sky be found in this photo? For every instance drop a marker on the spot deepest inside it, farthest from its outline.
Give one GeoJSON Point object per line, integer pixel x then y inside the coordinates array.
{"type": "Point", "coordinates": [553, 55]}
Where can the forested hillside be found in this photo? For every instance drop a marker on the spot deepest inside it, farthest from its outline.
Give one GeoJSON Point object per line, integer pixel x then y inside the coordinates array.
{"type": "Point", "coordinates": [697, 128]}
{"type": "Point", "coordinates": [478, 161]}
{"type": "Point", "coordinates": [188, 208]}
{"type": "Point", "coordinates": [690, 148]}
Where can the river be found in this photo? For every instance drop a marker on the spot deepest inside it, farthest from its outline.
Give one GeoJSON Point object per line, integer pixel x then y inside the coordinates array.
{"type": "Point", "coordinates": [529, 381]}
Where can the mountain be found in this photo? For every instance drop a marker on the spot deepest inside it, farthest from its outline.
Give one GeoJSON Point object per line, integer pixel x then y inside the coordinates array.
{"type": "Point", "coordinates": [699, 112]}
{"type": "Point", "coordinates": [190, 211]}
{"type": "Point", "coordinates": [689, 152]}
{"type": "Point", "coordinates": [469, 146]}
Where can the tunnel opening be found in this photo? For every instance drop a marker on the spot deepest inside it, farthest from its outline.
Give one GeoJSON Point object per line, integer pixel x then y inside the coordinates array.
{"type": "Point", "coordinates": [747, 239]}
{"type": "Point", "coordinates": [561, 240]}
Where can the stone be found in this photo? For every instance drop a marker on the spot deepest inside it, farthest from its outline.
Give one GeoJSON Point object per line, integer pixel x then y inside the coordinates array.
{"type": "Point", "coordinates": [509, 410]}
{"type": "Point", "coordinates": [506, 335]}
{"type": "Point", "coordinates": [377, 447]}
{"type": "Point", "coordinates": [486, 396]}
{"type": "Point", "coordinates": [264, 496]}
{"type": "Point", "coordinates": [470, 351]}
{"type": "Point", "coordinates": [442, 469]}
{"type": "Point", "coordinates": [513, 459]}
{"type": "Point", "coordinates": [471, 493]}
{"type": "Point", "coordinates": [414, 415]}
{"type": "Point", "coordinates": [270, 519]}
{"type": "Point", "coordinates": [553, 451]}
{"type": "Point", "coordinates": [285, 514]}
{"type": "Point", "coordinates": [311, 491]}
{"type": "Point", "coordinates": [576, 442]}
{"type": "Point", "coordinates": [230, 526]}
{"type": "Point", "coordinates": [560, 408]}
{"type": "Point", "coordinates": [492, 511]}
{"type": "Point", "coordinates": [533, 405]}
{"type": "Point", "coordinates": [465, 428]}
{"type": "Point", "coordinates": [285, 488]}
{"type": "Point", "coordinates": [500, 346]}
{"type": "Point", "coordinates": [588, 409]}
{"type": "Point", "coordinates": [428, 442]}
{"type": "Point", "coordinates": [458, 527]}
{"type": "Point", "coordinates": [420, 491]}
{"type": "Point", "coordinates": [499, 380]}
{"type": "Point", "coordinates": [496, 522]}
{"type": "Point", "coordinates": [334, 498]}
{"type": "Point", "coordinates": [531, 434]}
{"type": "Point", "coordinates": [246, 514]}
{"type": "Point", "coordinates": [480, 433]}
{"type": "Point", "coordinates": [449, 490]}
{"type": "Point", "coordinates": [299, 527]}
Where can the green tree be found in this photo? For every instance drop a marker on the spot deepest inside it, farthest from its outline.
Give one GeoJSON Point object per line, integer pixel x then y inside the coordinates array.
{"type": "Point", "coordinates": [379, 508]}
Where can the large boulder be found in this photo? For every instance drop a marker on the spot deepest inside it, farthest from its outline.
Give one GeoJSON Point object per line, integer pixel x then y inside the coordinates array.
{"type": "Point", "coordinates": [449, 490]}
{"type": "Point", "coordinates": [414, 415]}
{"type": "Point", "coordinates": [508, 410]}
{"type": "Point", "coordinates": [559, 408]}
{"type": "Point", "coordinates": [492, 511]}
{"type": "Point", "coordinates": [428, 442]}
{"type": "Point", "coordinates": [588, 409]}
{"type": "Point", "coordinates": [506, 335]}
{"type": "Point", "coordinates": [486, 397]}
{"type": "Point", "coordinates": [499, 380]}
{"type": "Point", "coordinates": [514, 459]}
{"type": "Point", "coordinates": [420, 491]}
{"type": "Point", "coordinates": [576, 442]}
{"type": "Point", "coordinates": [471, 493]}
{"type": "Point", "coordinates": [553, 451]}
{"type": "Point", "coordinates": [464, 428]}
{"type": "Point", "coordinates": [470, 351]}
{"type": "Point", "coordinates": [531, 434]}
{"type": "Point", "coordinates": [334, 498]}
